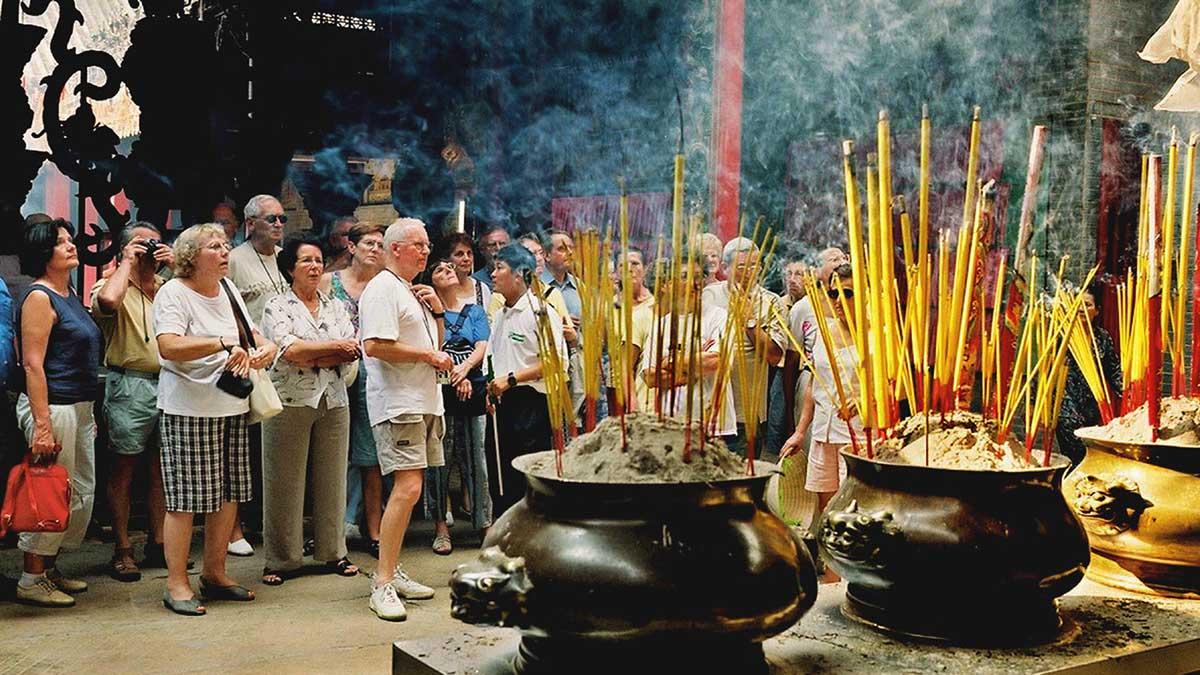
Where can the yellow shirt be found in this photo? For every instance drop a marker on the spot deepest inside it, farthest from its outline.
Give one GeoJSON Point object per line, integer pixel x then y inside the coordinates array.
{"type": "Point", "coordinates": [129, 332]}
{"type": "Point", "coordinates": [554, 299]}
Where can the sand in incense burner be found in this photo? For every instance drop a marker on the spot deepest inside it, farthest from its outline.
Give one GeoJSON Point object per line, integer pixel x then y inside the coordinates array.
{"type": "Point", "coordinates": [957, 440]}
{"type": "Point", "coordinates": [1178, 424]}
{"type": "Point", "coordinates": [654, 454]}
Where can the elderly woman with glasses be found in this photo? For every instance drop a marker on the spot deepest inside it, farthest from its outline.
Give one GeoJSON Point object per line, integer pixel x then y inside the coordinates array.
{"type": "Point", "coordinates": [316, 341]}
{"type": "Point", "coordinates": [205, 448]}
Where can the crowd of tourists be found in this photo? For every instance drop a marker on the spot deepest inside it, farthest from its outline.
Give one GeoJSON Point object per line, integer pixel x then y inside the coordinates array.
{"type": "Point", "coordinates": [400, 363]}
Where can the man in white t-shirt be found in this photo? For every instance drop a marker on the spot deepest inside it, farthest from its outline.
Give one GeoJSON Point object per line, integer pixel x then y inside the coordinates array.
{"type": "Point", "coordinates": [761, 337]}
{"type": "Point", "coordinates": [401, 325]}
{"type": "Point", "coordinates": [252, 266]}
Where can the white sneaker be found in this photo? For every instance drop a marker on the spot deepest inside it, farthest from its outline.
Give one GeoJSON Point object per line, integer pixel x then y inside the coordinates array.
{"type": "Point", "coordinates": [409, 589]}
{"type": "Point", "coordinates": [352, 532]}
{"type": "Point", "coordinates": [386, 604]}
{"type": "Point", "coordinates": [241, 548]}
{"type": "Point", "coordinates": [449, 518]}
{"type": "Point", "coordinates": [44, 594]}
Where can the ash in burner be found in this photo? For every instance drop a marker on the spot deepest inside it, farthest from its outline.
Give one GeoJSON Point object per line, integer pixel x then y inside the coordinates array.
{"type": "Point", "coordinates": [654, 454]}
{"type": "Point", "coordinates": [957, 440]}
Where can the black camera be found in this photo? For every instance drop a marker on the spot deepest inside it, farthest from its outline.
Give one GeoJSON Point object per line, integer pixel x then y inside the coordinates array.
{"type": "Point", "coordinates": [150, 245]}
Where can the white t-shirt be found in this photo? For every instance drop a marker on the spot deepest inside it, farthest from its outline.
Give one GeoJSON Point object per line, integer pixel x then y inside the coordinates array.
{"type": "Point", "coordinates": [712, 328]}
{"type": "Point", "coordinates": [190, 387]}
{"type": "Point", "coordinates": [717, 295]}
{"type": "Point", "coordinates": [802, 321]}
{"type": "Point", "coordinates": [514, 342]}
{"type": "Point", "coordinates": [257, 277]}
{"type": "Point", "coordinates": [388, 310]}
{"type": "Point", "coordinates": [827, 427]}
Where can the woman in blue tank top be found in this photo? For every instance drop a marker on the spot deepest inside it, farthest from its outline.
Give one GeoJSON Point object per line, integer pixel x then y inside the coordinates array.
{"type": "Point", "coordinates": [59, 348]}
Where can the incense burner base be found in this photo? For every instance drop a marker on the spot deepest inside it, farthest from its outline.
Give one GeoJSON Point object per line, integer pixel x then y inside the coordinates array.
{"type": "Point", "coordinates": [615, 573]}
{"type": "Point", "coordinates": [1138, 503]}
{"type": "Point", "coordinates": [971, 557]}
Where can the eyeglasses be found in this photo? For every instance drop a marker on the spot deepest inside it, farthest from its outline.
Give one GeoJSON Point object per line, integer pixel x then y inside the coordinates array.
{"type": "Point", "coordinates": [217, 246]}
{"type": "Point", "coordinates": [370, 244]}
{"type": "Point", "coordinates": [310, 261]}
{"type": "Point", "coordinates": [846, 293]}
{"type": "Point", "coordinates": [419, 245]}
{"type": "Point", "coordinates": [275, 218]}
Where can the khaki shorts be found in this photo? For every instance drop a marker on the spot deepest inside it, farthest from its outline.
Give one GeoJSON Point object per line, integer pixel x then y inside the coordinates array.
{"type": "Point", "coordinates": [408, 442]}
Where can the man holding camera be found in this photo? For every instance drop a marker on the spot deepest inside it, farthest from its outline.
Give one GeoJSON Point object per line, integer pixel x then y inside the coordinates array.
{"type": "Point", "coordinates": [122, 304]}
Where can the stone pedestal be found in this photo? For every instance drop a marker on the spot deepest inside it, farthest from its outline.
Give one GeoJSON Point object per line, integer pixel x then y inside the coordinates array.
{"type": "Point", "coordinates": [1104, 631]}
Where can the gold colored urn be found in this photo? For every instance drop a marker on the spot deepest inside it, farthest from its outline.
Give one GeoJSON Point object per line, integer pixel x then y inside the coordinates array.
{"type": "Point", "coordinates": [1140, 505]}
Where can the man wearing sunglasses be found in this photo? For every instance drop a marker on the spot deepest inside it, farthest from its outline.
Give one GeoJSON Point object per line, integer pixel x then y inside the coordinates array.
{"type": "Point", "coordinates": [254, 272]}
{"type": "Point", "coordinates": [252, 267]}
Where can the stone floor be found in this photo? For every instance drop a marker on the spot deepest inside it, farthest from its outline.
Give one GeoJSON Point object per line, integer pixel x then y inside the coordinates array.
{"type": "Point", "coordinates": [315, 623]}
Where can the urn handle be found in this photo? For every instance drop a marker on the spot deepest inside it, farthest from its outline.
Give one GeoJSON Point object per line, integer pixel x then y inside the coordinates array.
{"type": "Point", "coordinates": [493, 590]}
{"type": "Point", "coordinates": [858, 537]}
{"type": "Point", "coordinates": [1109, 504]}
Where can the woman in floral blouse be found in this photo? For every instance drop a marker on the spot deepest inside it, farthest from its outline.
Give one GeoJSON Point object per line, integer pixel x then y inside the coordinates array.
{"type": "Point", "coordinates": [316, 342]}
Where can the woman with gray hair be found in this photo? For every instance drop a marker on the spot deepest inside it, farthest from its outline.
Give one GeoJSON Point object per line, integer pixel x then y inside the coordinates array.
{"type": "Point", "coordinates": [205, 451]}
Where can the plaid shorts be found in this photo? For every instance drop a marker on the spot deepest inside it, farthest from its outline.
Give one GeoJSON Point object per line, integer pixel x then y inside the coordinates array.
{"type": "Point", "coordinates": [205, 462]}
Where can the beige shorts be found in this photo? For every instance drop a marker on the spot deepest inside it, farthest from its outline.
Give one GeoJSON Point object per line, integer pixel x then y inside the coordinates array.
{"type": "Point", "coordinates": [826, 467]}
{"type": "Point", "coordinates": [408, 442]}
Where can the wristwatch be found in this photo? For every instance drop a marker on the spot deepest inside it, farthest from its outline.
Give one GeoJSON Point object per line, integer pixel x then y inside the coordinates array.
{"type": "Point", "coordinates": [512, 380]}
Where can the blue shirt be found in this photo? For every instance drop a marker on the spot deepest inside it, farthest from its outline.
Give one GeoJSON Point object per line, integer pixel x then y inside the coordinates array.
{"type": "Point", "coordinates": [569, 290]}
{"type": "Point", "coordinates": [474, 325]}
{"type": "Point", "coordinates": [7, 362]}
{"type": "Point", "coordinates": [484, 275]}
{"type": "Point", "coordinates": [72, 361]}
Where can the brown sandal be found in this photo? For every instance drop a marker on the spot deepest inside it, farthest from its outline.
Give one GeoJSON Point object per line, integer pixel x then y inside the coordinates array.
{"type": "Point", "coordinates": [122, 567]}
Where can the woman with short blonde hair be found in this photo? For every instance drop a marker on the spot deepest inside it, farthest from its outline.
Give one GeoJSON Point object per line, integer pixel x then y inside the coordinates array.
{"type": "Point", "coordinates": [205, 448]}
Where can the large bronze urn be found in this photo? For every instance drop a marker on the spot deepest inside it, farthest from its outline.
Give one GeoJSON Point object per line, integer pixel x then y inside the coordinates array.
{"type": "Point", "coordinates": [964, 556]}
{"type": "Point", "coordinates": [1140, 504]}
{"type": "Point", "coordinates": [611, 578]}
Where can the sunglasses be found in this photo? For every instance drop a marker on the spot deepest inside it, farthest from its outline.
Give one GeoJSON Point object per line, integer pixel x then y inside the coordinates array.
{"type": "Point", "coordinates": [272, 219]}
{"type": "Point", "coordinates": [845, 293]}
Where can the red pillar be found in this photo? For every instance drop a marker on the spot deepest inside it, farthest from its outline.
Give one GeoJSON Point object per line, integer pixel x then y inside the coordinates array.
{"type": "Point", "coordinates": [727, 116]}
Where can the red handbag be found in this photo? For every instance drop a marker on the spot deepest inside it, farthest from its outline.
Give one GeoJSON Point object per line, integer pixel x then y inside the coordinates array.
{"type": "Point", "coordinates": [37, 499]}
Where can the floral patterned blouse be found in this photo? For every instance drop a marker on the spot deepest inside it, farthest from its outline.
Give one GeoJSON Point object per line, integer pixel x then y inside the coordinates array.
{"type": "Point", "coordinates": [285, 320]}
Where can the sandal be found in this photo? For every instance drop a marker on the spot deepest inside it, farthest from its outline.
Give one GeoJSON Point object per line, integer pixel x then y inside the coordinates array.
{"type": "Point", "coordinates": [234, 592]}
{"type": "Point", "coordinates": [122, 567]}
{"type": "Point", "coordinates": [342, 568]}
{"type": "Point", "coordinates": [189, 607]}
{"type": "Point", "coordinates": [272, 577]}
{"type": "Point", "coordinates": [442, 545]}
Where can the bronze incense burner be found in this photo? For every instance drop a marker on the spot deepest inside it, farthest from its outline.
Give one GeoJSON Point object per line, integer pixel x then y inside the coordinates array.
{"type": "Point", "coordinates": [969, 557]}
{"type": "Point", "coordinates": [605, 577]}
{"type": "Point", "coordinates": [1139, 504]}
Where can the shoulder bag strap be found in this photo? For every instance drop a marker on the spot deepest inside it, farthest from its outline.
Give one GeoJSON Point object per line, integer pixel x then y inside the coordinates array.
{"type": "Point", "coordinates": [245, 335]}
{"type": "Point", "coordinates": [479, 292]}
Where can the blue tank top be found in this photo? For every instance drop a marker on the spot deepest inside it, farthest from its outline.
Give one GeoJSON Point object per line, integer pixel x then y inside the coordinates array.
{"type": "Point", "coordinates": [72, 360]}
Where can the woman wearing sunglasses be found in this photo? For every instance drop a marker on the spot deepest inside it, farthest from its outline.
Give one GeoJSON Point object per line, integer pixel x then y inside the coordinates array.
{"type": "Point", "coordinates": [831, 424]}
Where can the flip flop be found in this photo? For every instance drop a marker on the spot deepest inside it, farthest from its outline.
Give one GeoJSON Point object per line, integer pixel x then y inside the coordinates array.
{"type": "Point", "coordinates": [342, 567]}
{"type": "Point", "coordinates": [189, 607]}
{"type": "Point", "coordinates": [280, 576]}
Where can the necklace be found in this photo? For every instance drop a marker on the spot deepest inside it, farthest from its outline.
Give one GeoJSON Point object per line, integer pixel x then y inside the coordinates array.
{"type": "Point", "coordinates": [262, 261]}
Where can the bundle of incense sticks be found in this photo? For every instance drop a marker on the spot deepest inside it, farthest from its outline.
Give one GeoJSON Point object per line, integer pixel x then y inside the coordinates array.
{"type": "Point", "coordinates": [1151, 303]}
{"type": "Point", "coordinates": [743, 348]}
{"type": "Point", "coordinates": [554, 375]}
{"type": "Point", "coordinates": [929, 345]}
{"type": "Point", "coordinates": [595, 292]}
